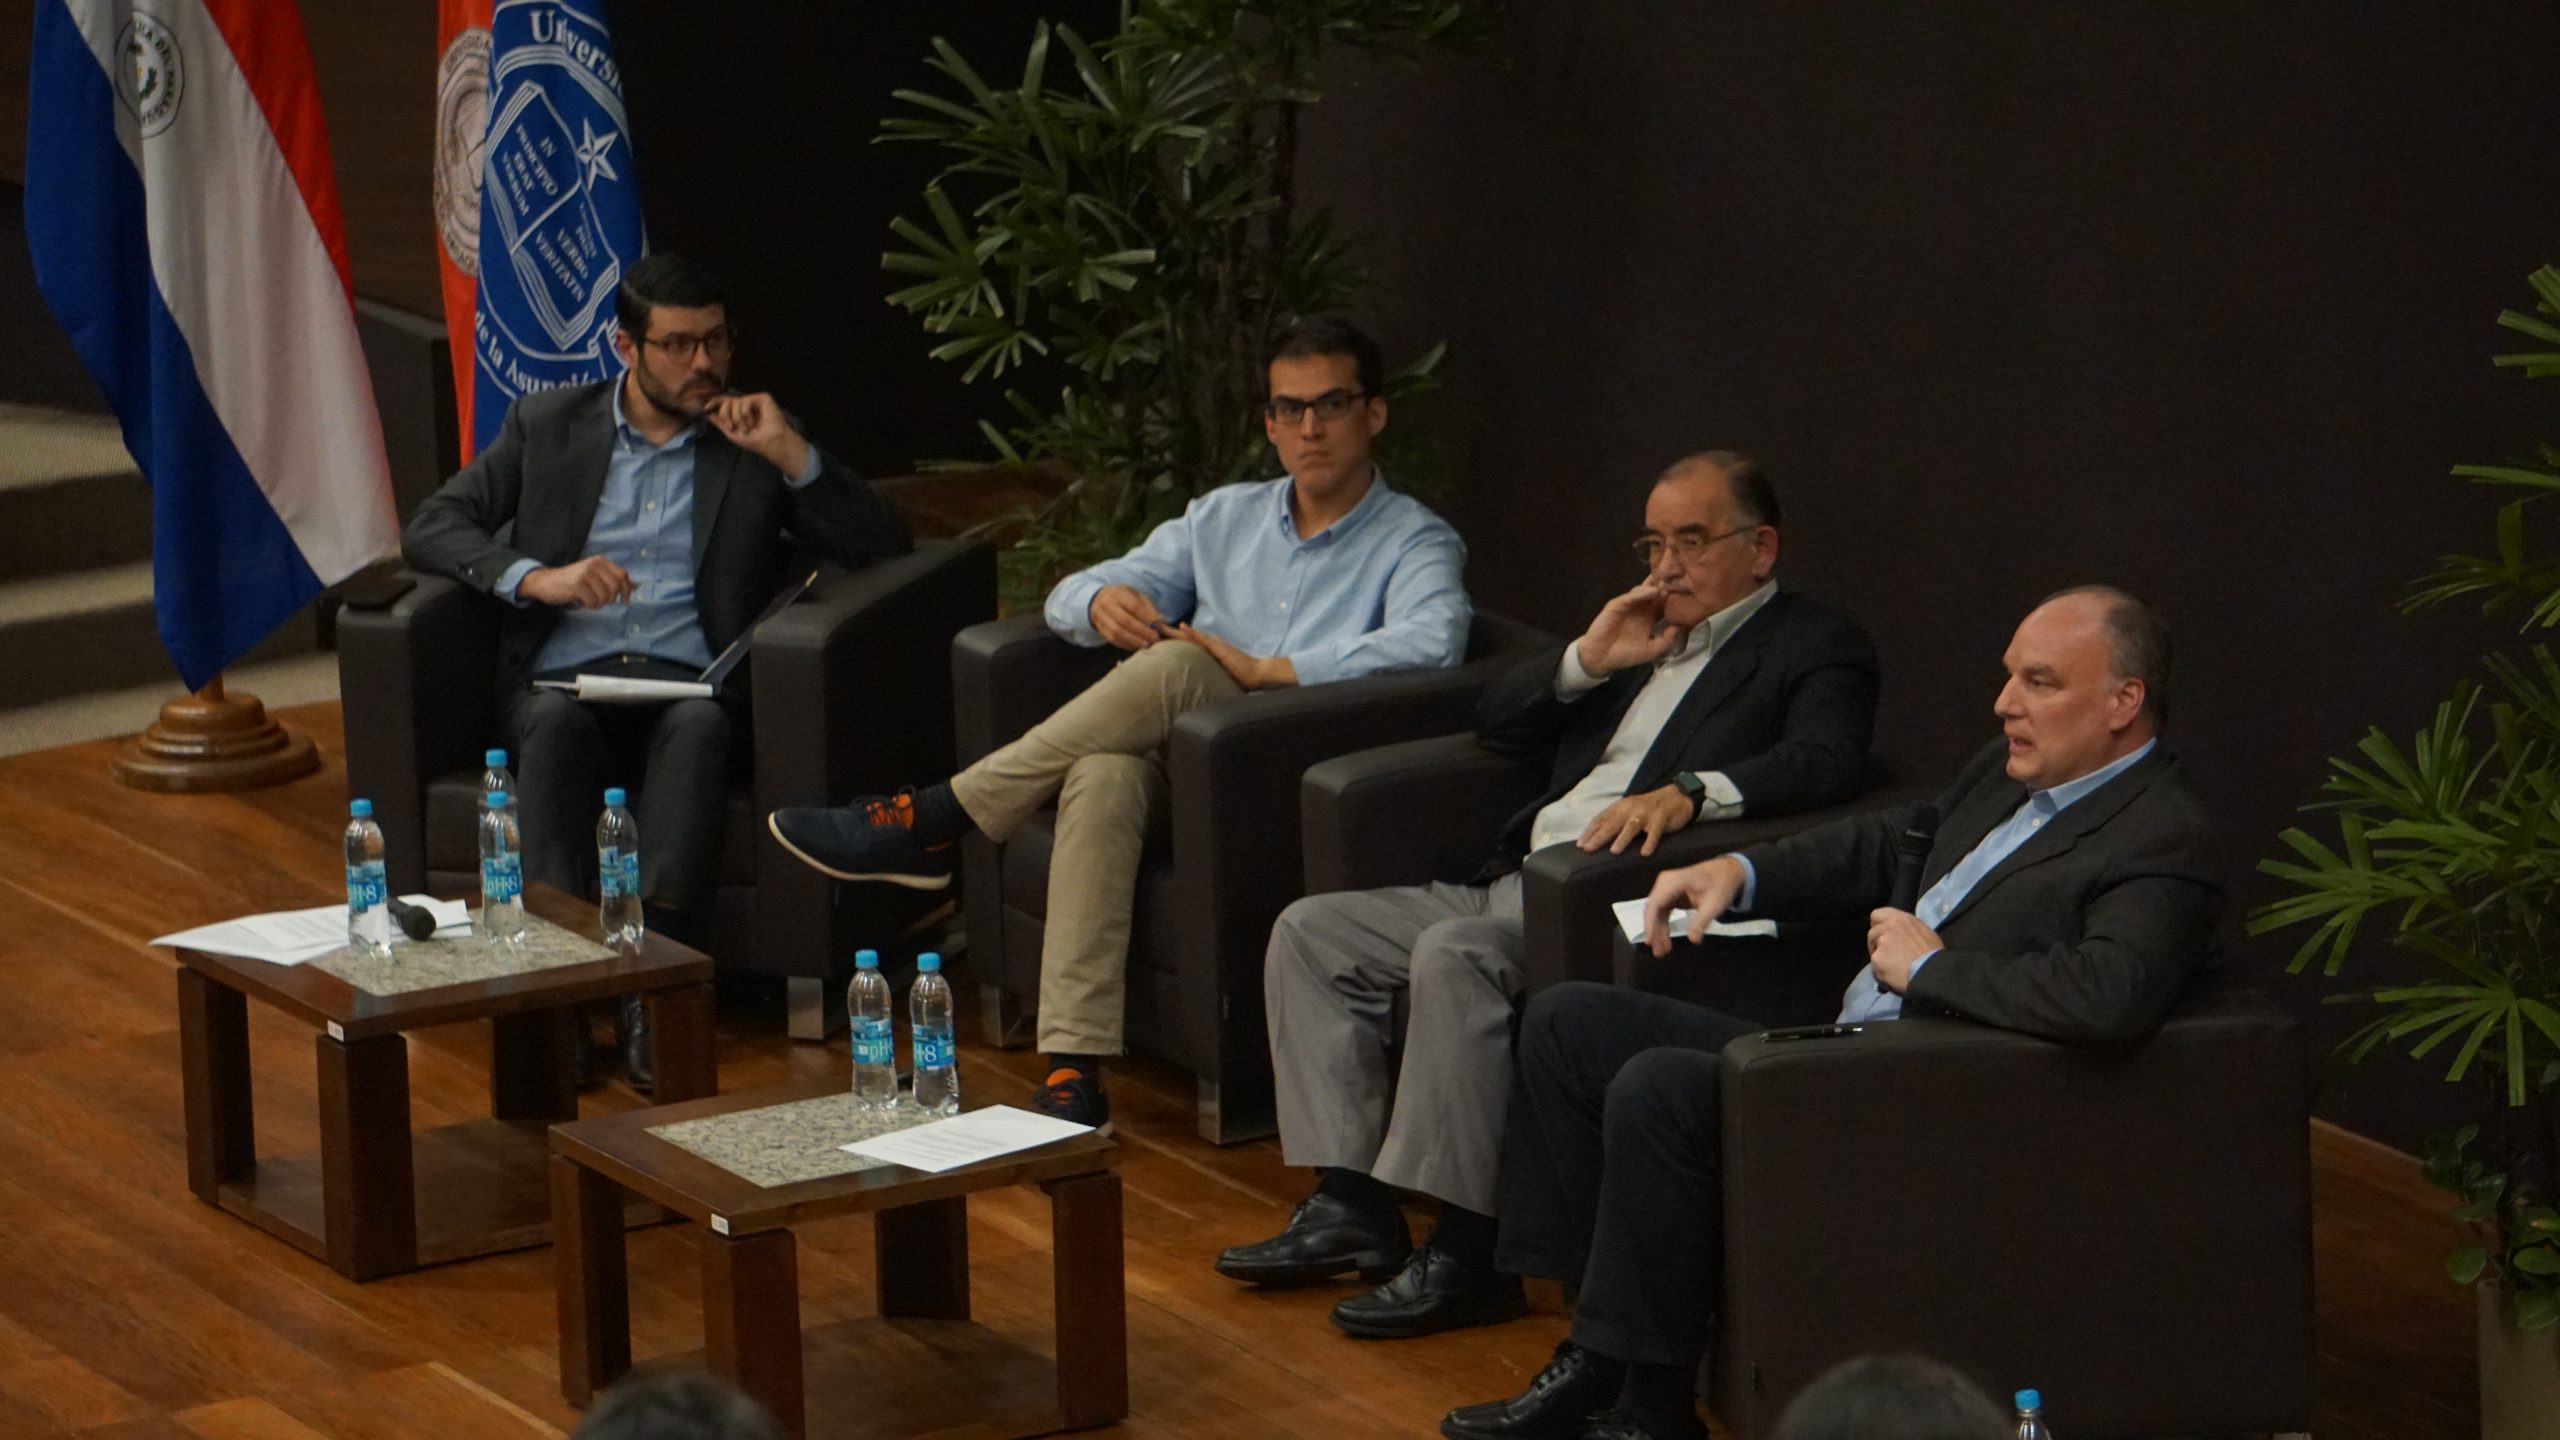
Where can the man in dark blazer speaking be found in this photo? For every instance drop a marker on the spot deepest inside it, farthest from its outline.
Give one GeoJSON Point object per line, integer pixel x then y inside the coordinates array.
{"type": "Point", "coordinates": [635, 527]}
{"type": "Point", "coordinates": [1700, 694]}
{"type": "Point", "coordinates": [2070, 892]}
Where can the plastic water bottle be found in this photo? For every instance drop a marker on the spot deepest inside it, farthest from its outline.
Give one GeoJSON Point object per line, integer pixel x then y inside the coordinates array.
{"type": "Point", "coordinates": [618, 874]}
{"type": "Point", "coordinates": [875, 1047]}
{"type": "Point", "coordinates": [929, 1020]}
{"type": "Point", "coordinates": [368, 889]}
{"type": "Point", "coordinates": [2031, 1424]}
{"type": "Point", "coordinates": [501, 872]}
{"type": "Point", "coordinates": [496, 781]}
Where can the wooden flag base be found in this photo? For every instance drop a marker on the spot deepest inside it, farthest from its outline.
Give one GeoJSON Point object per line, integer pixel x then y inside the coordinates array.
{"type": "Point", "coordinates": [210, 741]}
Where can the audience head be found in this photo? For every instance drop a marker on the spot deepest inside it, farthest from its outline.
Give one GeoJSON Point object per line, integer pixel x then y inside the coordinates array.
{"type": "Point", "coordinates": [1324, 401]}
{"type": "Point", "coordinates": [1710, 533]}
{"type": "Point", "coordinates": [2088, 684]}
{"type": "Point", "coordinates": [1892, 1397]}
{"type": "Point", "coordinates": [675, 1405]}
{"type": "Point", "coordinates": [672, 332]}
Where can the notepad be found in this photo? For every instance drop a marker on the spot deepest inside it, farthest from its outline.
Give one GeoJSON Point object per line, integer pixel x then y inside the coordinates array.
{"type": "Point", "coordinates": [635, 690]}
{"type": "Point", "coordinates": [295, 937]}
{"type": "Point", "coordinates": [966, 1139]}
{"type": "Point", "coordinates": [1630, 915]}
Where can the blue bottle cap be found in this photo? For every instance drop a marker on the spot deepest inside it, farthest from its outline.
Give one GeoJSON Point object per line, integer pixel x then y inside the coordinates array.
{"type": "Point", "coordinates": [928, 963]}
{"type": "Point", "coordinates": [866, 959]}
{"type": "Point", "coordinates": [2030, 1399]}
{"type": "Point", "coordinates": [614, 796]}
{"type": "Point", "coordinates": [360, 809]}
{"type": "Point", "coordinates": [495, 759]}
{"type": "Point", "coordinates": [497, 799]}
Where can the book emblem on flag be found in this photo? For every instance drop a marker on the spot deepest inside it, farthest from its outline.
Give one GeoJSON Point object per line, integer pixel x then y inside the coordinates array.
{"type": "Point", "coordinates": [462, 137]}
{"type": "Point", "coordinates": [560, 215]}
{"type": "Point", "coordinates": [153, 78]}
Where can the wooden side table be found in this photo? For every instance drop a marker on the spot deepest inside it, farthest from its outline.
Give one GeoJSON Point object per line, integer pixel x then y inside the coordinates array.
{"type": "Point", "coordinates": [376, 1200]}
{"type": "Point", "coordinates": [750, 1265]}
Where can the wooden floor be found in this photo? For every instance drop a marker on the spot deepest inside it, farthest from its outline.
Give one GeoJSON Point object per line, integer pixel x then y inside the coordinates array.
{"type": "Point", "coordinates": [130, 1309]}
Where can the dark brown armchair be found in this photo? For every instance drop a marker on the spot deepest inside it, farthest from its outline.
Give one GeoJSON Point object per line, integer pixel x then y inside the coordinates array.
{"type": "Point", "coordinates": [1205, 901]}
{"type": "Point", "coordinates": [850, 693]}
{"type": "Point", "coordinates": [2130, 1234]}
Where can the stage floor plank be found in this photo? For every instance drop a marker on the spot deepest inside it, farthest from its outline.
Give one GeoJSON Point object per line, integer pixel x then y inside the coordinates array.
{"type": "Point", "coordinates": [130, 1309]}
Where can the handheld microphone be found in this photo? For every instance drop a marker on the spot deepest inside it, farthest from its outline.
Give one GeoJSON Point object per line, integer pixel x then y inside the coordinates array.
{"type": "Point", "coordinates": [415, 921]}
{"type": "Point", "coordinates": [1910, 853]}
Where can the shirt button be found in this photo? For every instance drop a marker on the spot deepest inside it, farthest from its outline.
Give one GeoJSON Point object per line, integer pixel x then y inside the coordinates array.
{"type": "Point", "coordinates": [644, 554]}
{"type": "Point", "coordinates": [652, 505]}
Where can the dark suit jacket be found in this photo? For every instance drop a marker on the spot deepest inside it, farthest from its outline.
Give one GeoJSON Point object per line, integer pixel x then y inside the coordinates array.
{"type": "Point", "coordinates": [1786, 711]}
{"type": "Point", "coordinates": [2085, 934]}
{"type": "Point", "coordinates": [533, 493]}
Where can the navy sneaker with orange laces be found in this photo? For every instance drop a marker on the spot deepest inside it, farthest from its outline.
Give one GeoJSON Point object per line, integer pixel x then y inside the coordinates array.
{"type": "Point", "coordinates": [871, 839]}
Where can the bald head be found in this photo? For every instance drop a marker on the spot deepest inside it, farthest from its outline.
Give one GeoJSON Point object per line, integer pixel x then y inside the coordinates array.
{"type": "Point", "coordinates": [2073, 703]}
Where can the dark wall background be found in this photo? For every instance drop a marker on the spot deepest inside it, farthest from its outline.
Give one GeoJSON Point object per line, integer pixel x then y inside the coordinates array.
{"type": "Point", "coordinates": [2195, 298]}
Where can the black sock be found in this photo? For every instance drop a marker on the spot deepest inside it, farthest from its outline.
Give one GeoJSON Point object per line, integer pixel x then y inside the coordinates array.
{"type": "Point", "coordinates": [1663, 1399]}
{"type": "Point", "coordinates": [1464, 1234]}
{"type": "Point", "coordinates": [1355, 1188]}
{"type": "Point", "coordinates": [939, 818]}
{"type": "Point", "coordinates": [1090, 1066]}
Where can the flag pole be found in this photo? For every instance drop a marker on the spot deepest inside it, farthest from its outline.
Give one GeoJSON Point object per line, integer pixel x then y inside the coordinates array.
{"type": "Point", "coordinates": [214, 741]}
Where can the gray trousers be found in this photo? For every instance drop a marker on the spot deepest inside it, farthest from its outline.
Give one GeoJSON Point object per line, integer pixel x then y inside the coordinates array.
{"type": "Point", "coordinates": [1338, 965]}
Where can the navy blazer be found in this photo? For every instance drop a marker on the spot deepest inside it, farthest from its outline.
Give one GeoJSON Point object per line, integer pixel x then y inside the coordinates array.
{"type": "Point", "coordinates": [2085, 934]}
{"type": "Point", "coordinates": [1786, 710]}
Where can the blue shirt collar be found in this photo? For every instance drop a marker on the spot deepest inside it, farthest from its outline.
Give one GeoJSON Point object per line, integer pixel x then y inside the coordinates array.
{"type": "Point", "coordinates": [2060, 797]}
{"type": "Point", "coordinates": [625, 435]}
{"type": "Point", "coordinates": [1351, 520]}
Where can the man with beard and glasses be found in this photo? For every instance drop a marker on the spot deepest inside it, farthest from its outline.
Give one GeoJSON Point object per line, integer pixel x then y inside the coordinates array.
{"type": "Point", "coordinates": [635, 527]}
{"type": "Point", "coordinates": [1702, 694]}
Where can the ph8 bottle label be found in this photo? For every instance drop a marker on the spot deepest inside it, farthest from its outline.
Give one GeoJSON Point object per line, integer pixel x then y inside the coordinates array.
{"type": "Point", "coordinates": [366, 886]}
{"type": "Point", "coordinates": [630, 864]}
{"type": "Point", "coordinates": [872, 1044]}
{"type": "Point", "coordinates": [609, 871]}
{"type": "Point", "coordinates": [933, 1050]}
{"type": "Point", "coordinates": [501, 879]}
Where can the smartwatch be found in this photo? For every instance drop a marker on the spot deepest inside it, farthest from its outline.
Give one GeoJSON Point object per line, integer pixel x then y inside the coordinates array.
{"type": "Point", "coordinates": [1695, 787]}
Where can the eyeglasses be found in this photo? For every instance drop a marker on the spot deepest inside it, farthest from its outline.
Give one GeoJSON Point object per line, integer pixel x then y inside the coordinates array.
{"type": "Point", "coordinates": [1690, 546]}
{"type": "Point", "coordinates": [680, 347]}
{"type": "Point", "coordinates": [1330, 406]}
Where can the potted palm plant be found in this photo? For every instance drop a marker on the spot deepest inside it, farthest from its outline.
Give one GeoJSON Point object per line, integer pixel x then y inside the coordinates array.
{"type": "Point", "coordinates": [2449, 847]}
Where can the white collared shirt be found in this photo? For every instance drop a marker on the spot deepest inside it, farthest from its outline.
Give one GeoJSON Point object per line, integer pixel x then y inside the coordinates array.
{"type": "Point", "coordinates": [1565, 818]}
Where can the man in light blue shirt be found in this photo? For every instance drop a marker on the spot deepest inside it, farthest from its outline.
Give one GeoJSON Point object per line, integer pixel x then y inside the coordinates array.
{"type": "Point", "coordinates": [1323, 574]}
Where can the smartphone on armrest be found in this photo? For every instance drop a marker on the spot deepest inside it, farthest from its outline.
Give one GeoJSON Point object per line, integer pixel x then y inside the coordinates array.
{"type": "Point", "coordinates": [1812, 1032]}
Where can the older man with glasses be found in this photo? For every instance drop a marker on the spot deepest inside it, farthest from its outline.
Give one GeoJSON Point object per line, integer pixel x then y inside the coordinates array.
{"type": "Point", "coordinates": [1702, 693]}
{"type": "Point", "coordinates": [1324, 573]}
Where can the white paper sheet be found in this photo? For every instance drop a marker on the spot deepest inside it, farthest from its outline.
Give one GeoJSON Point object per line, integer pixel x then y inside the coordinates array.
{"type": "Point", "coordinates": [1630, 915]}
{"type": "Point", "coordinates": [966, 1139]}
{"type": "Point", "coordinates": [295, 937]}
{"type": "Point", "coordinates": [627, 690]}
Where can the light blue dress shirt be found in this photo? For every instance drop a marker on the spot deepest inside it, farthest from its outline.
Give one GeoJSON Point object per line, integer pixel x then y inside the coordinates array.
{"type": "Point", "coordinates": [1375, 591]}
{"type": "Point", "coordinates": [643, 523]}
{"type": "Point", "coordinates": [1868, 1000]}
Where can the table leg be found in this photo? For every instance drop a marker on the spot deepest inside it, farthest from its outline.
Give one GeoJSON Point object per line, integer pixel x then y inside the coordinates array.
{"type": "Point", "coordinates": [368, 1194]}
{"type": "Point", "coordinates": [751, 1319]}
{"type": "Point", "coordinates": [591, 1277]}
{"type": "Point", "coordinates": [1092, 1299]}
{"type": "Point", "coordinates": [533, 1065]}
{"type": "Point", "coordinates": [920, 1254]}
{"type": "Point", "coordinates": [213, 1059]}
{"type": "Point", "coordinates": [681, 1024]}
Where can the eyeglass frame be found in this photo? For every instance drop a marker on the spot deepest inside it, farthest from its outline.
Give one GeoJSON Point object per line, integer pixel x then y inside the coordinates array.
{"type": "Point", "coordinates": [723, 336]}
{"type": "Point", "coordinates": [1649, 548]}
{"type": "Point", "coordinates": [1349, 400]}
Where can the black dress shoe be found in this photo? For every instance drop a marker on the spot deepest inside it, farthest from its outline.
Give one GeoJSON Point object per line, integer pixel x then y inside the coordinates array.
{"type": "Point", "coordinates": [1435, 1291]}
{"type": "Point", "coordinates": [631, 1028]}
{"type": "Point", "coordinates": [1325, 1237]}
{"type": "Point", "coordinates": [1560, 1401]}
{"type": "Point", "coordinates": [1620, 1425]}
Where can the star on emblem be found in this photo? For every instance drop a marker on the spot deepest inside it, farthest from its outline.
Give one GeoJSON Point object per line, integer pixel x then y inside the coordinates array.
{"type": "Point", "coordinates": [591, 153]}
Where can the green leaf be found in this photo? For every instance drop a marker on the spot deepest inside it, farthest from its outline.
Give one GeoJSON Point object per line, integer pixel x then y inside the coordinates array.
{"type": "Point", "coordinates": [2536, 1260]}
{"type": "Point", "coordinates": [2464, 1267]}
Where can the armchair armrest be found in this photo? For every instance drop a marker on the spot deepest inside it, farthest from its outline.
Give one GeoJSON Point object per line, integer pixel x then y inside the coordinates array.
{"type": "Point", "coordinates": [419, 698]}
{"type": "Point", "coordinates": [1411, 813]}
{"type": "Point", "coordinates": [1007, 675]}
{"type": "Point", "coordinates": [2011, 1164]}
{"type": "Point", "coordinates": [849, 683]}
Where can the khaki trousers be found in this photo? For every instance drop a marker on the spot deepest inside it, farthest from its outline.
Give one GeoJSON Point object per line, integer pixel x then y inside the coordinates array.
{"type": "Point", "coordinates": [1100, 755]}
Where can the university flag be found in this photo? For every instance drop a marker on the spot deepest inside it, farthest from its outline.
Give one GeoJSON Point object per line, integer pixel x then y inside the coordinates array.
{"type": "Point", "coordinates": [184, 226]}
{"type": "Point", "coordinates": [536, 204]}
